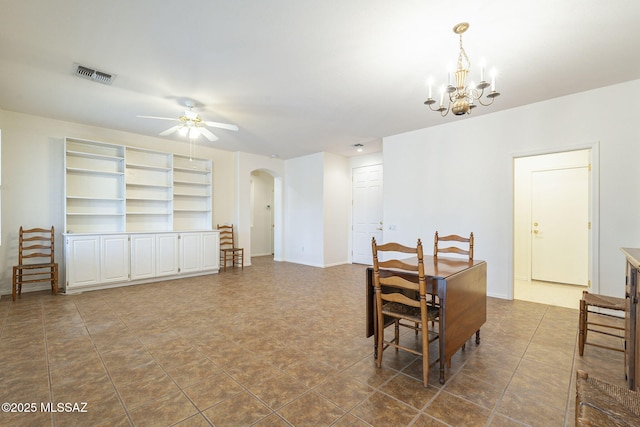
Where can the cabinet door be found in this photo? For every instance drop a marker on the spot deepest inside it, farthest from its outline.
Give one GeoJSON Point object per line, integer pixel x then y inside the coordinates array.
{"type": "Point", "coordinates": [83, 260]}
{"type": "Point", "coordinates": [190, 245]}
{"type": "Point", "coordinates": [143, 256]}
{"type": "Point", "coordinates": [114, 258]}
{"type": "Point", "coordinates": [167, 254]}
{"type": "Point", "coordinates": [210, 251]}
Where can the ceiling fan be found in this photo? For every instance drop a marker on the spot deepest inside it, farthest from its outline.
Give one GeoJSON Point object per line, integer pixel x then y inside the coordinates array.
{"type": "Point", "coordinates": [192, 125]}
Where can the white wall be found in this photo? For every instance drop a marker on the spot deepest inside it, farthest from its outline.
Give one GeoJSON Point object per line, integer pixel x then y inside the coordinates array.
{"type": "Point", "coordinates": [304, 210]}
{"type": "Point", "coordinates": [337, 197]}
{"type": "Point", "coordinates": [317, 209]}
{"type": "Point", "coordinates": [458, 177]}
{"type": "Point", "coordinates": [33, 175]}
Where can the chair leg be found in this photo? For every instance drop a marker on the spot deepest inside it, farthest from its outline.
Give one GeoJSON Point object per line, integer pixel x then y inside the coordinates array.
{"type": "Point", "coordinates": [425, 355]}
{"type": "Point", "coordinates": [397, 333]}
{"type": "Point", "coordinates": [14, 288]}
{"type": "Point", "coordinates": [478, 337]}
{"type": "Point", "coordinates": [54, 282]}
{"type": "Point", "coordinates": [582, 327]}
{"type": "Point", "coordinates": [380, 342]}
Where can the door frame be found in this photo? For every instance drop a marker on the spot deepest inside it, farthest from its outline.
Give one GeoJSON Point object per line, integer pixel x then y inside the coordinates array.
{"type": "Point", "coordinates": [351, 223]}
{"type": "Point", "coordinates": [594, 213]}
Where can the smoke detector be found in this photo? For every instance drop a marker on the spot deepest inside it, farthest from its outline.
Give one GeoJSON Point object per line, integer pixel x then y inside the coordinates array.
{"type": "Point", "coordinates": [91, 74]}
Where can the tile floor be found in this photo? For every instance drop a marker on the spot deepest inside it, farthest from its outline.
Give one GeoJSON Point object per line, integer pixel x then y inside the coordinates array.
{"type": "Point", "coordinates": [276, 344]}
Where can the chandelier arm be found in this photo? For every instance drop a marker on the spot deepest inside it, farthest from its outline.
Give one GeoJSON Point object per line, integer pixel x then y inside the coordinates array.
{"type": "Point", "coordinates": [487, 104]}
{"type": "Point", "coordinates": [444, 111]}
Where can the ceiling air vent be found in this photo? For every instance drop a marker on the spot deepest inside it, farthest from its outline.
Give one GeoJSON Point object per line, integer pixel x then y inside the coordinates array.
{"type": "Point", "coordinates": [95, 75]}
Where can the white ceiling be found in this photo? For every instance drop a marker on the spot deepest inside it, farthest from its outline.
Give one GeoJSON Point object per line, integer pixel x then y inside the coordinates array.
{"type": "Point", "coordinates": [301, 76]}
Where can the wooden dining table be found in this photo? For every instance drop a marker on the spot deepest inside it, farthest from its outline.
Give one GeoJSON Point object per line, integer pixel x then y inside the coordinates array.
{"type": "Point", "coordinates": [461, 287]}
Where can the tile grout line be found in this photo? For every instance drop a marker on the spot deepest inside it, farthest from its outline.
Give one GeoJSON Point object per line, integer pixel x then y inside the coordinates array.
{"type": "Point", "coordinates": [46, 354]}
{"type": "Point", "coordinates": [104, 365]}
{"type": "Point", "coordinates": [495, 408]}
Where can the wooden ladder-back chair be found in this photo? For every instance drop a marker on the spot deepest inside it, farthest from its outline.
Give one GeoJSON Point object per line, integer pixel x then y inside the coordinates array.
{"type": "Point", "coordinates": [228, 249]}
{"type": "Point", "coordinates": [401, 294]}
{"type": "Point", "coordinates": [458, 245]}
{"type": "Point", "coordinates": [36, 264]}
{"type": "Point", "coordinates": [463, 247]}
{"type": "Point", "coordinates": [616, 323]}
{"type": "Point", "coordinates": [599, 403]}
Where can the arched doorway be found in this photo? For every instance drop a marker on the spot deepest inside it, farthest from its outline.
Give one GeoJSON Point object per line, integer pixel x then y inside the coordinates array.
{"type": "Point", "coordinates": [262, 213]}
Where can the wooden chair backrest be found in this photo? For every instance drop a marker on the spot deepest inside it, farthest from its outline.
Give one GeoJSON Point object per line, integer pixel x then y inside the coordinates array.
{"type": "Point", "coordinates": [389, 273]}
{"type": "Point", "coordinates": [226, 236]}
{"type": "Point", "coordinates": [36, 246]}
{"type": "Point", "coordinates": [437, 248]}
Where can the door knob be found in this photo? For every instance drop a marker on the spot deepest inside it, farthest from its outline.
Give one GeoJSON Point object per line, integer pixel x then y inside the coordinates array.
{"type": "Point", "coordinates": [535, 231]}
{"type": "Point", "coordinates": [535, 224]}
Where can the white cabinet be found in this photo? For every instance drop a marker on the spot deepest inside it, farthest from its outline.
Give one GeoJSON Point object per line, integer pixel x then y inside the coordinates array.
{"type": "Point", "coordinates": [95, 261]}
{"type": "Point", "coordinates": [211, 251]}
{"type": "Point", "coordinates": [114, 258]}
{"type": "Point", "coordinates": [199, 252]}
{"type": "Point", "coordinates": [143, 256]}
{"type": "Point", "coordinates": [167, 254]}
{"type": "Point", "coordinates": [190, 252]}
{"type": "Point", "coordinates": [82, 259]}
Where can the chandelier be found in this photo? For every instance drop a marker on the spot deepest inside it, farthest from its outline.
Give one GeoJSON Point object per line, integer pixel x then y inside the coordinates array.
{"type": "Point", "coordinates": [461, 96]}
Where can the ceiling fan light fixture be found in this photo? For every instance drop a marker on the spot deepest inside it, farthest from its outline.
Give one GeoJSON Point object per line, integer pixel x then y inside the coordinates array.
{"type": "Point", "coordinates": [191, 125]}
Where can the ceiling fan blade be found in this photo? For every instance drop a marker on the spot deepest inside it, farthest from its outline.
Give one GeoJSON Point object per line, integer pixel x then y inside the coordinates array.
{"type": "Point", "coordinates": [222, 125]}
{"type": "Point", "coordinates": [169, 131]}
{"type": "Point", "coordinates": [159, 118]}
{"type": "Point", "coordinates": [207, 134]}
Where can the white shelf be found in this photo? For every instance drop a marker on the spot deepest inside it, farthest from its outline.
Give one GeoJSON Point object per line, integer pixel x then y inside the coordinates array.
{"type": "Point", "coordinates": [147, 167]}
{"type": "Point", "coordinates": [89, 155]}
{"type": "Point", "coordinates": [94, 198]}
{"type": "Point", "coordinates": [149, 213]}
{"type": "Point", "coordinates": [113, 188]}
{"type": "Point", "coordinates": [94, 214]}
{"type": "Point", "coordinates": [141, 184]}
{"type": "Point", "coordinates": [93, 171]}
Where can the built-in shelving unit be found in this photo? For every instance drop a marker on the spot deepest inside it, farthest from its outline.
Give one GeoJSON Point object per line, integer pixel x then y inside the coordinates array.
{"type": "Point", "coordinates": [191, 193]}
{"type": "Point", "coordinates": [111, 188]}
{"type": "Point", "coordinates": [134, 215]}
{"type": "Point", "coordinates": [149, 189]}
{"type": "Point", "coordinates": [94, 187]}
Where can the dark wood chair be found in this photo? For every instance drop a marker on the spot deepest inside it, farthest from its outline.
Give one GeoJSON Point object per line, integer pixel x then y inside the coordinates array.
{"type": "Point", "coordinates": [402, 300]}
{"type": "Point", "coordinates": [463, 245]}
{"type": "Point", "coordinates": [36, 263]}
{"type": "Point", "coordinates": [599, 325]}
{"type": "Point", "coordinates": [454, 244]}
{"type": "Point", "coordinates": [599, 403]}
{"type": "Point", "coordinates": [228, 249]}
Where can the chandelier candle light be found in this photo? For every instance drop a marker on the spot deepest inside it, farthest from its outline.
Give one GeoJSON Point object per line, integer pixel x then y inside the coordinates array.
{"type": "Point", "coordinates": [462, 97]}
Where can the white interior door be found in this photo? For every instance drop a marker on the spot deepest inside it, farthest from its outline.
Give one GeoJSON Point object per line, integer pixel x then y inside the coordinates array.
{"type": "Point", "coordinates": [560, 225]}
{"type": "Point", "coordinates": [367, 211]}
